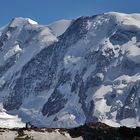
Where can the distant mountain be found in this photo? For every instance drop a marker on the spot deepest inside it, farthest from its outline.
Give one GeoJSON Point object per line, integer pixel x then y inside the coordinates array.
{"type": "Point", "coordinates": [72, 72]}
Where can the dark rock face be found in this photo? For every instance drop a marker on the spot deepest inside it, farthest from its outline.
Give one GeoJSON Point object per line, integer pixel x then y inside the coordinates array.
{"type": "Point", "coordinates": [122, 36]}
{"type": "Point", "coordinates": [54, 104]}
{"type": "Point", "coordinates": [131, 103]}
{"type": "Point", "coordinates": [100, 131]}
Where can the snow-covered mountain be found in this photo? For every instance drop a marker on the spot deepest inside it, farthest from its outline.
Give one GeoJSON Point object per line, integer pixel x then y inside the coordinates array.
{"type": "Point", "coordinates": [72, 72]}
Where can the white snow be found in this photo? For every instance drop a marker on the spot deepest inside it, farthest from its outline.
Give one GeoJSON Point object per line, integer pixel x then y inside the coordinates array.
{"type": "Point", "coordinates": [111, 123]}
{"type": "Point", "coordinates": [126, 19]}
{"type": "Point", "coordinates": [71, 60]}
{"type": "Point", "coordinates": [52, 136]}
{"type": "Point", "coordinates": [12, 135]}
{"type": "Point", "coordinates": [9, 121]}
{"type": "Point", "coordinates": [133, 52]}
{"type": "Point", "coordinates": [129, 122]}
{"type": "Point", "coordinates": [103, 90]}
{"type": "Point", "coordinates": [100, 75]}
{"type": "Point", "coordinates": [59, 27]}
{"type": "Point", "coordinates": [14, 50]}
{"type": "Point", "coordinates": [46, 36]}
{"type": "Point", "coordinates": [19, 22]}
{"type": "Point", "coordinates": [31, 21]}
{"type": "Point", "coordinates": [67, 117]}
{"type": "Point", "coordinates": [101, 108]}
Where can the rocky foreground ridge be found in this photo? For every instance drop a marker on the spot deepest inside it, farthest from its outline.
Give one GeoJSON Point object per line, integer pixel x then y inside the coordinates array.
{"type": "Point", "coordinates": [98, 131]}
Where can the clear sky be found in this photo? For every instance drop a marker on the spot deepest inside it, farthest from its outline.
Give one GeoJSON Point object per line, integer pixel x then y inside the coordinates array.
{"type": "Point", "coordinates": [47, 11]}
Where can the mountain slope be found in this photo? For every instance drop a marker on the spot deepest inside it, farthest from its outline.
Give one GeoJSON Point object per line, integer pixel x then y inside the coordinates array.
{"type": "Point", "coordinates": [89, 73]}
{"type": "Point", "coordinates": [59, 27]}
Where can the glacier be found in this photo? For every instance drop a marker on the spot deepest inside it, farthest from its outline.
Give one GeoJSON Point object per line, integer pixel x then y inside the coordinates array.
{"type": "Point", "coordinates": [72, 72]}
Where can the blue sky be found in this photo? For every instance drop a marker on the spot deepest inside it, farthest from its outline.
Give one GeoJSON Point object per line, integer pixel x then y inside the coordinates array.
{"type": "Point", "coordinates": [47, 11]}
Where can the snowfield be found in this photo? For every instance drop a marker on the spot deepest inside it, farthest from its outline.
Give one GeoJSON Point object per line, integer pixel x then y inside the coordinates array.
{"type": "Point", "coordinates": [59, 27]}
{"type": "Point", "coordinates": [12, 135]}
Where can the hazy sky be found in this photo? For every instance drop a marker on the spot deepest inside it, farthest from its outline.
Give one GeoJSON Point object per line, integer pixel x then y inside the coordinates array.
{"type": "Point", "coordinates": [47, 11]}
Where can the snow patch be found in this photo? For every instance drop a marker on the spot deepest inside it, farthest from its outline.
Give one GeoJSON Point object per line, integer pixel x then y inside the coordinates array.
{"type": "Point", "coordinates": [71, 60]}
{"type": "Point", "coordinates": [111, 123]}
{"type": "Point", "coordinates": [59, 27]}
{"type": "Point", "coordinates": [129, 122]}
{"type": "Point", "coordinates": [9, 121]}
{"type": "Point", "coordinates": [13, 51]}
{"type": "Point", "coordinates": [32, 21]}
{"type": "Point", "coordinates": [133, 52]}
{"type": "Point", "coordinates": [20, 22]}
{"type": "Point", "coordinates": [126, 19]}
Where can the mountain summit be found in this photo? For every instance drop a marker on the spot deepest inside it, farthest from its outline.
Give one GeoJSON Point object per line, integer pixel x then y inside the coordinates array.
{"type": "Point", "coordinates": [72, 72]}
{"type": "Point", "coordinates": [21, 22]}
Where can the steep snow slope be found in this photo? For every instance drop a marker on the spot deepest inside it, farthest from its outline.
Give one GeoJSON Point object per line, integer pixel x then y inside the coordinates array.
{"type": "Point", "coordinates": [9, 121]}
{"type": "Point", "coordinates": [89, 73]}
{"type": "Point", "coordinates": [59, 27]}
